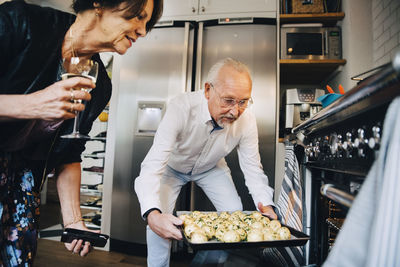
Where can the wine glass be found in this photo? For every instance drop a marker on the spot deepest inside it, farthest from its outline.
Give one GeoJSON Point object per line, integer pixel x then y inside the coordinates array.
{"type": "Point", "coordinates": [79, 67]}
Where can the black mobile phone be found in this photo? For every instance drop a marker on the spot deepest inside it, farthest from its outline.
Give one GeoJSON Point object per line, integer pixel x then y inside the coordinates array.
{"type": "Point", "coordinates": [95, 239]}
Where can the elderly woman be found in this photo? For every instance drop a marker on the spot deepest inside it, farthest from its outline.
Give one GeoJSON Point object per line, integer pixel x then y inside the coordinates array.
{"type": "Point", "coordinates": [36, 108]}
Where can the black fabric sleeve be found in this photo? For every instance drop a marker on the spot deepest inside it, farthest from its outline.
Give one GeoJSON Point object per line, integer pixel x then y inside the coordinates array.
{"type": "Point", "coordinates": [13, 32]}
{"type": "Point", "coordinates": [148, 212]}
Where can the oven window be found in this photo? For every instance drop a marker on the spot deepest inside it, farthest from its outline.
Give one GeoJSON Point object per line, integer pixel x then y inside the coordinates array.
{"type": "Point", "coordinates": [304, 43]}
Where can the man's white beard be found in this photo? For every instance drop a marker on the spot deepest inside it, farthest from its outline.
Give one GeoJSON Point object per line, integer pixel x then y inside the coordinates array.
{"type": "Point", "coordinates": [224, 123]}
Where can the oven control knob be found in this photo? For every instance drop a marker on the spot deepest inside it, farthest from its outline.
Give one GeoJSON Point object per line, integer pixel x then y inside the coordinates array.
{"type": "Point", "coordinates": [324, 147]}
{"type": "Point", "coordinates": [308, 151]}
{"type": "Point", "coordinates": [360, 139]}
{"type": "Point", "coordinates": [348, 145]}
{"type": "Point", "coordinates": [361, 143]}
{"type": "Point", "coordinates": [356, 142]}
{"type": "Point", "coordinates": [361, 151]}
{"type": "Point", "coordinates": [333, 143]}
{"type": "Point", "coordinates": [372, 143]}
{"type": "Point", "coordinates": [375, 140]}
{"type": "Point", "coordinates": [316, 149]}
{"type": "Point", "coordinates": [340, 147]}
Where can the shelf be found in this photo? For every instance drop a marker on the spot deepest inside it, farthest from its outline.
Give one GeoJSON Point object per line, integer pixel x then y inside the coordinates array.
{"type": "Point", "coordinates": [90, 207]}
{"type": "Point", "coordinates": [91, 187]}
{"type": "Point", "coordinates": [308, 71]}
{"type": "Point", "coordinates": [92, 226]}
{"type": "Point", "coordinates": [325, 18]}
{"type": "Point", "coordinates": [91, 192]}
{"type": "Point", "coordinates": [94, 170]}
{"type": "Point", "coordinates": [101, 139]}
{"type": "Point", "coordinates": [93, 156]}
{"type": "Point", "coordinates": [93, 173]}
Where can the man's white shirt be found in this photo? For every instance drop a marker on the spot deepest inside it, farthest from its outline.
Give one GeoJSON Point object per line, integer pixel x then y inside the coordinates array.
{"type": "Point", "coordinates": [185, 141]}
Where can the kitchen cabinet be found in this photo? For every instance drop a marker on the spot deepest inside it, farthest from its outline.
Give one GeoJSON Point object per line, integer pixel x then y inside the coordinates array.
{"type": "Point", "coordinates": [176, 8]}
{"type": "Point", "coordinates": [197, 9]}
{"type": "Point", "coordinates": [235, 6]}
{"type": "Point", "coordinates": [327, 19]}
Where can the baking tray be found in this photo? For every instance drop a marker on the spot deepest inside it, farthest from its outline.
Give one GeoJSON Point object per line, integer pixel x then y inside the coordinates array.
{"type": "Point", "coordinates": [297, 239]}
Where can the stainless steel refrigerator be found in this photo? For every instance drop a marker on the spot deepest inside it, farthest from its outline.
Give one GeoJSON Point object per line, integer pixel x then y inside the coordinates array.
{"type": "Point", "coordinates": [172, 59]}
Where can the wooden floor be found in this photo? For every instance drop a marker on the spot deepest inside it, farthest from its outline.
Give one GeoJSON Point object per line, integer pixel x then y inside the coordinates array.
{"type": "Point", "coordinates": [53, 254]}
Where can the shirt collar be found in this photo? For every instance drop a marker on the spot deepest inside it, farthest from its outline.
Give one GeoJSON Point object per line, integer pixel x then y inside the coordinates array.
{"type": "Point", "coordinates": [206, 116]}
{"type": "Point", "coordinates": [215, 125]}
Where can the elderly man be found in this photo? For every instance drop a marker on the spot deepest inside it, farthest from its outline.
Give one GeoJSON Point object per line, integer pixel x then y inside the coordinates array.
{"type": "Point", "coordinates": [198, 130]}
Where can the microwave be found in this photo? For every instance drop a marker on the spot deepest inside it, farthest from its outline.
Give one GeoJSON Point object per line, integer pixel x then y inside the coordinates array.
{"type": "Point", "coordinates": [311, 43]}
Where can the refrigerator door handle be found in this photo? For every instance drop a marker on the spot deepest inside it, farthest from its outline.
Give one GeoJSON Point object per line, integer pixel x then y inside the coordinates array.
{"type": "Point", "coordinates": [199, 55]}
{"type": "Point", "coordinates": [185, 58]}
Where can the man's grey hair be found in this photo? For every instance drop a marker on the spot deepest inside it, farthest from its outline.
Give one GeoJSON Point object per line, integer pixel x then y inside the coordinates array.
{"type": "Point", "coordinates": [235, 64]}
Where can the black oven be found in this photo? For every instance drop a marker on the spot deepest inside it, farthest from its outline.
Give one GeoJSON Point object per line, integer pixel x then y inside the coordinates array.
{"type": "Point", "coordinates": [340, 144]}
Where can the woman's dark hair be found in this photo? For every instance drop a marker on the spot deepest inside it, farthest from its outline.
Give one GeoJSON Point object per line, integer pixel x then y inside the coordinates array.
{"type": "Point", "coordinates": [133, 8]}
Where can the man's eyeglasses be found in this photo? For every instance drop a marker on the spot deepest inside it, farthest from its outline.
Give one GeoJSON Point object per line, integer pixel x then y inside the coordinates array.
{"type": "Point", "coordinates": [227, 102]}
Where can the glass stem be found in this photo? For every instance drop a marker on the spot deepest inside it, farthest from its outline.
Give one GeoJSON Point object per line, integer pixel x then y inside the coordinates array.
{"type": "Point", "coordinates": [76, 123]}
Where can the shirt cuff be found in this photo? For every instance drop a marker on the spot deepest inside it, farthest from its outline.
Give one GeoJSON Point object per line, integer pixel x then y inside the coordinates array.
{"type": "Point", "coordinates": [148, 212]}
{"type": "Point", "coordinates": [264, 202]}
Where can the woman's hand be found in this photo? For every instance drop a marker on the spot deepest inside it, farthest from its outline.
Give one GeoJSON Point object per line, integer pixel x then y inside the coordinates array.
{"type": "Point", "coordinates": [68, 185]}
{"type": "Point", "coordinates": [57, 101]}
{"type": "Point", "coordinates": [79, 246]}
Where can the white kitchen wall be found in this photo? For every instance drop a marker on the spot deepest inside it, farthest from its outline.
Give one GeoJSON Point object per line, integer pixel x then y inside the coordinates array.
{"type": "Point", "coordinates": [64, 5]}
{"type": "Point", "coordinates": [356, 42]}
{"type": "Point", "coordinates": [385, 30]}
{"type": "Point", "coordinates": [371, 37]}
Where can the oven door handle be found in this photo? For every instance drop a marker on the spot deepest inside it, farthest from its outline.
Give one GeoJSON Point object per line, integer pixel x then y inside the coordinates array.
{"type": "Point", "coordinates": [337, 195]}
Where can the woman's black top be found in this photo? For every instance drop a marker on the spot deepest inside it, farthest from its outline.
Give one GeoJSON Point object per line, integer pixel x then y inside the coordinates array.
{"type": "Point", "coordinates": [30, 54]}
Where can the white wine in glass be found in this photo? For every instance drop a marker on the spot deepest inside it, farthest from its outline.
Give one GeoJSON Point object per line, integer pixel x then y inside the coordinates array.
{"type": "Point", "coordinates": [79, 67]}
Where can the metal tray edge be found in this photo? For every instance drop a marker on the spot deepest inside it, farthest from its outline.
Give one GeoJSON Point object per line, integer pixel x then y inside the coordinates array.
{"type": "Point", "coordinates": [217, 245]}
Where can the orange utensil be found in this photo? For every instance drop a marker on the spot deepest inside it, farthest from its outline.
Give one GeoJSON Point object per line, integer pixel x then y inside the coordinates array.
{"type": "Point", "coordinates": [341, 89]}
{"type": "Point", "coordinates": [330, 90]}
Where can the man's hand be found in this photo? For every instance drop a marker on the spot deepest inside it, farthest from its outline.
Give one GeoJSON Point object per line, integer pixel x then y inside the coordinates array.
{"type": "Point", "coordinates": [267, 210]}
{"type": "Point", "coordinates": [164, 225]}
{"type": "Point", "coordinates": [77, 246]}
